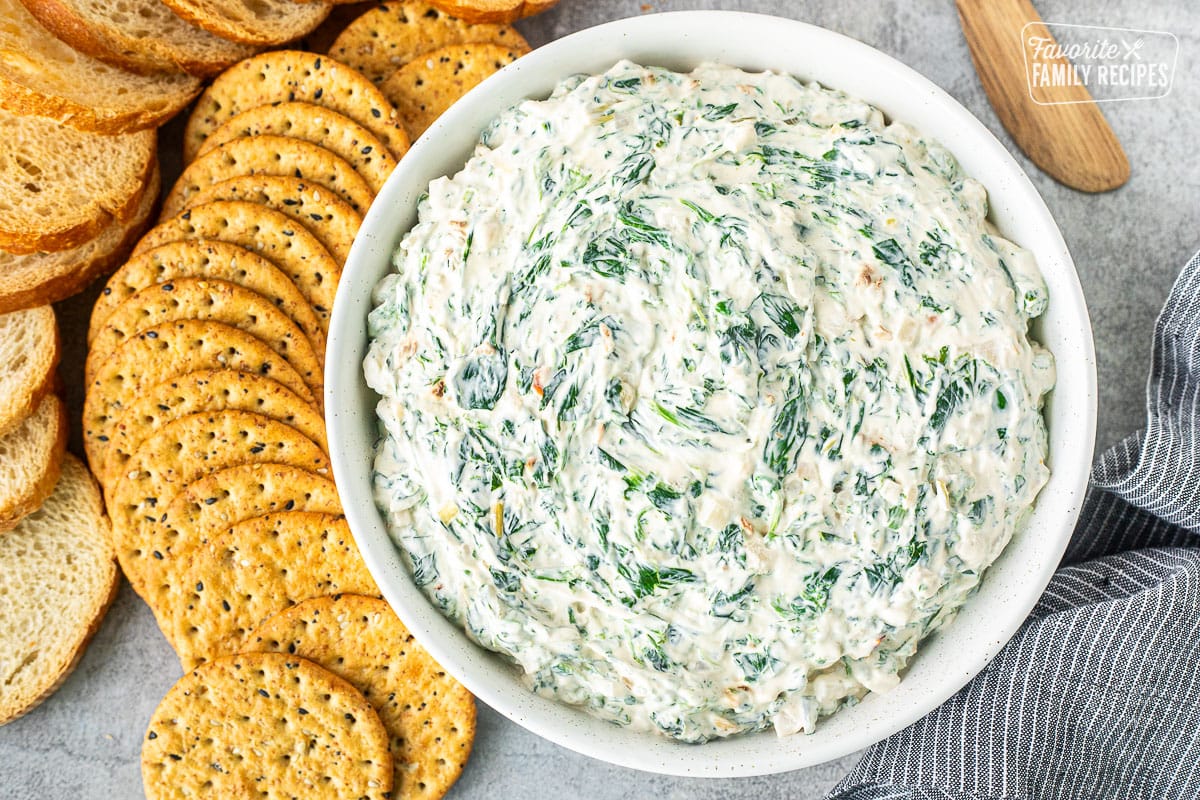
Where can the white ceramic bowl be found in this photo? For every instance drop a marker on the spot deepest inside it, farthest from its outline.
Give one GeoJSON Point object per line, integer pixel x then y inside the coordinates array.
{"type": "Point", "coordinates": [947, 660]}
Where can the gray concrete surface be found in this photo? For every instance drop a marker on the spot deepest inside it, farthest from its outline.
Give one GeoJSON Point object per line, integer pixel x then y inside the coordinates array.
{"type": "Point", "coordinates": [1128, 246]}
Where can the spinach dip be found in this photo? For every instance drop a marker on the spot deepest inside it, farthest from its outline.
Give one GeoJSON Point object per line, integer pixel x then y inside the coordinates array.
{"type": "Point", "coordinates": [706, 396]}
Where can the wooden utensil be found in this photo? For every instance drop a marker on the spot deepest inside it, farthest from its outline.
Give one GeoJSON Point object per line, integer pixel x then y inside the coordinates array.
{"type": "Point", "coordinates": [1070, 140]}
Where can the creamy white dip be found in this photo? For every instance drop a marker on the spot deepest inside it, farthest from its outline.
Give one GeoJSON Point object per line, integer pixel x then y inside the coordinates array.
{"type": "Point", "coordinates": [705, 397]}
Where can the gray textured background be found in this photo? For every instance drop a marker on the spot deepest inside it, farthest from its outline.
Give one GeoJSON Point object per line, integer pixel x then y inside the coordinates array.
{"type": "Point", "coordinates": [1128, 246]}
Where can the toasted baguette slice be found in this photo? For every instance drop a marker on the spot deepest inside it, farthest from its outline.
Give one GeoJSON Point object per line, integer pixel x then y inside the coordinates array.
{"type": "Point", "coordinates": [43, 76]}
{"type": "Point", "coordinates": [262, 22]}
{"type": "Point", "coordinates": [28, 356]}
{"type": "Point", "coordinates": [58, 577]}
{"type": "Point", "coordinates": [39, 279]}
{"type": "Point", "coordinates": [476, 11]}
{"type": "Point", "coordinates": [141, 36]}
{"type": "Point", "coordinates": [60, 187]}
{"type": "Point", "coordinates": [30, 460]}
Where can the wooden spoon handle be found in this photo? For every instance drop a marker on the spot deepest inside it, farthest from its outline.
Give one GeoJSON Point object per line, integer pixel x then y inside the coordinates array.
{"type": "Point", "coordinates": [1072, 141]}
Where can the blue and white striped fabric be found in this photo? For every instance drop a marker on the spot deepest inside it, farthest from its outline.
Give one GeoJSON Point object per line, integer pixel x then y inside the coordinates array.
{"type": "Point", "coordinates": [1098, 695]}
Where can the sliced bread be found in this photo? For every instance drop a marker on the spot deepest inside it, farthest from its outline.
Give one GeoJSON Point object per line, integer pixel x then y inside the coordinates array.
{"type": "Point", "coordinates": [475, 11]}
{"type": "Point", "coordinates": [138, 35]}
{"type": "Point", "coordinates": [41, 75]}
{"type": "Point", "coordinates": [30, 460]}
{"type": "Point", "coordinates": [60, 187]}
{"type": "Point", "coordinates": [261, 22]}
{"type": "Point", "coordinates": [28, 356]}
{"type": "Point", "coordinates": [58, 576]}
{"type": "Point", "coordinates": [41, 278]}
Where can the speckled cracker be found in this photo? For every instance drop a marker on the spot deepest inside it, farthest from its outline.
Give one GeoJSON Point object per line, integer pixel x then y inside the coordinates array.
{"type": "Point", "coordinates": [213, 300]}
{"type": "Point", "coordinates": [285, 76]}
{"type": "Point", "coordinates": [164, 352]}
{"type": "Point", "coordinates": [208, 603]}
{"type": "Point", "coordinates": [392, 34]}
{"type": "Point", "coordinates": [268, 726]}
{"type": "Point", "coordinates": [422, 90]}
{"type": "Point", "coordinates": [181, 453]}
{"type": "Point", "coordinates": [268, 233]}
{"type": "Point", "coordinates": [217, 502]}
{"type": "Point", "coordinates": [270, 155]}
{"type": "Point", "coordinates": [429, 716]}
{"type": "Point", "coordinates": [325, 215]}
{"type": "Point", "coordinates": [196, 392]}
{"type": "Point", "coordinates": [199, 258]}
{"type": "Point", "coordinates": [335, 132]}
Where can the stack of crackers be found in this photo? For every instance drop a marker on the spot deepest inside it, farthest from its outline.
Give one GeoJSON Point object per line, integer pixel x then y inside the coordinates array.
{"type": "Point", "coordinates": [203, 423]}
{"type": "Point", "coordinates": [203, 414]}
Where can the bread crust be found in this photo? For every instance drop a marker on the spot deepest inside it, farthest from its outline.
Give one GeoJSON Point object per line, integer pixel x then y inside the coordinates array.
{"type": "Point", "coordinates": [27, 287]}
{"type": "Point", "coordinates": [143, 55]}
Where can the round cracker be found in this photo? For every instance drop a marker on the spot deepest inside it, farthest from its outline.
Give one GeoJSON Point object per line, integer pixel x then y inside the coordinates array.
{"type": "Point", "coordinates": [285, 76]}
{"type": "Point", "coordinates": [422, 90]}
{"type": "Point", "coordinates": [180, 454]}
{"type": "Point", "coordinates": [429, 716]}
{"type": "Point", "coordinates": [167, 351]}
{"type": "Point", "coordinates": [210, 506]}
{"type": "Point", "coordinates": [336, 132]}
{"type": "Point", "coordinates": [215, 503]}
{"type": "Point", "coordinates": [392, 34]}
{"type": "Point", "coordinates": [208, 603]}
{"type": "Point", "coordinates": [200, 258]}
{"type": "Point", "coordinates": [196, 392]}
{"type": "Point", "coordinates": [265, 725]}
{"type": "Point", "coordinates": [326, 216]}
{"type": "Point", "coordinates": [268, 233]}
{"type": "Point", "coordinates": [270, 155]}
{"type": "Point", "coordinates": [213, 300]}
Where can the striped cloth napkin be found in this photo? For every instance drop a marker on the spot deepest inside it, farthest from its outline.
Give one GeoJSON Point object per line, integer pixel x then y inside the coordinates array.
{"type": "Point", "coordinates": [1098, 694]}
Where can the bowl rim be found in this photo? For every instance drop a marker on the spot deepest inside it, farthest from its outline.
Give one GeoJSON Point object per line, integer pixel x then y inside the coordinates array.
{"type": "Point", "coordinates": [694, 37]}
